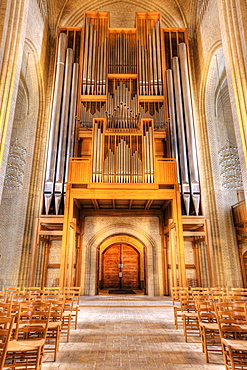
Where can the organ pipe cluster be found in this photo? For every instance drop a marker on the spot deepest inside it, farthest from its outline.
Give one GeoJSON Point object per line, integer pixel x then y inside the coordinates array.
{"type": "Point", "coordinates": [148, 153]}
{"type": "Point", "coordinates": [120, 67]}
{"type": "Point", "coordinates": [122, 52]}
{"type": "Point", "coordinates": [123, 158]}
{"type": "Point", "coordinates": [95, 57]}
{"type": "Point", "coordinates": [154, 110]}
{"type": "Point", "coordinates": [122, 105]}
{"type": "Point", "coordinates": [182, 129]}
{"type": "Point", "coordinates": [62, 129]}
{"type": "Point", "coordinates": [97, 151]}
{"type": "Point", "coordinates": [149, 61]}
{"type": "Point", "coordinates": [89, 111]}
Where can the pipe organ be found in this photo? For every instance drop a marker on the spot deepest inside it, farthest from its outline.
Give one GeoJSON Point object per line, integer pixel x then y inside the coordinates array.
{"type": "Point", "coordinates": [122, 99]}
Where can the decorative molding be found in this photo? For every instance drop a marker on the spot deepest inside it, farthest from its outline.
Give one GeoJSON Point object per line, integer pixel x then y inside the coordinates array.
{"type": "Point", "coordinates": [15, 166]}
{"type": "Point", "coordinates": [43, 8]}
{"type": "Point", "coordinates": [202, 11]}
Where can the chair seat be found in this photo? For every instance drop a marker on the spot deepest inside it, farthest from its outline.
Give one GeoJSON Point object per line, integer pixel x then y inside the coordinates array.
{"type": "Point", "coordinates": [190, 314]}
{"type": "Point", "coordinates": [209, 326]}
{"type": "Point", "coordinates": [67, 314]}
{"type": "Point", "coordinates": [25, 345]}
{"type": "Point", "coordinates": [54, 324]}
{"type": "Point", "coordinates": [235, 344]}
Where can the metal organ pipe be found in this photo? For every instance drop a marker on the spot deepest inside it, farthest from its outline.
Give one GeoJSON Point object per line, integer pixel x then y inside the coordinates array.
{"type": "Point", "coordinates": [154, 62]}
{"type": "Point", "coordinates": [181, 134]}
{"type": "Point", "coordinates": [193, 165]}
{"type": "Point", "coordinates": [63, 130]}
{"type": "Point", "coordinates": [55, 115]}
{"type": "Point", "coordinates": [84, 83]}
{"type": "Point", "coordinates": [173, 126]}
{"type": "Point", "coordinates": [72, 114]}
{"type": "Point", "coordinates": [157, 30]}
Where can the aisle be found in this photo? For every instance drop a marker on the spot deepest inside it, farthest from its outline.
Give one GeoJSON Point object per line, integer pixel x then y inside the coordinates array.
{"type": "Point", "coordinates": [128, 332]}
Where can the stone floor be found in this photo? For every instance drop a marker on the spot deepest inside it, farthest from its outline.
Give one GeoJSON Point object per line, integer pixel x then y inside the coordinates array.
{"type": "Point", "coordinates": [129, 332]}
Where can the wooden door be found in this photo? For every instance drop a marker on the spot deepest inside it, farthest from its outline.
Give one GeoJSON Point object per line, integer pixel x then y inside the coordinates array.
{"type": "Point", "coordinates": [121, 267]}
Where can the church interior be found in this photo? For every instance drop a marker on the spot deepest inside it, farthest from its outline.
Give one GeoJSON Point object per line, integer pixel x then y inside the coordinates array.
{"type": "Point", "coordinates": [123, 146]}
{"type": "Point", "coordinates": [123, 143]}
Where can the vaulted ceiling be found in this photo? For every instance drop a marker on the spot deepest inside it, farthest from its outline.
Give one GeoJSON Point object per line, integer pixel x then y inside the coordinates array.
{"type": "Point", "coordinates": [174, 13]}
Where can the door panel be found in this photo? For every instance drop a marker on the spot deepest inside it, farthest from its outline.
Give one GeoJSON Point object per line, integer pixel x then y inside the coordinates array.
{"type": "Point", "coordinates": [111, 259]}
{"type": "Point", "coordinates": [130, 260]}
{"type": "Point", "coordinates": [121, 267]}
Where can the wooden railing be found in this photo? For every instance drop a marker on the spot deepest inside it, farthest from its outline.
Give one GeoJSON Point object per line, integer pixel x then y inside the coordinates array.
{"type": "Point", "coordinates": [80, 171]}
{"type": "Point", "coordinates": [239, 213]}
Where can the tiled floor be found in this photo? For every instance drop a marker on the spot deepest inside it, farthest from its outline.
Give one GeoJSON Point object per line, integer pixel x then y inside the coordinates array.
{"type": "Point", "coordinates": [129, 332]}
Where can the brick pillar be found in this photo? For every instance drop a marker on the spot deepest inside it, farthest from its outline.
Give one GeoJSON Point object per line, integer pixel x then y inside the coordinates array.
{"type": "Point", "coordinates": [13, 20]}
{"type": "Point", "coordinates": [233, 18]}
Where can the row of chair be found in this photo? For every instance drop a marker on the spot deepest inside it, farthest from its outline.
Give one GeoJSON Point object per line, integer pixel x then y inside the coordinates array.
{"type": "Point", "coordinates": [219, 316]}
{"type": "Point", "coordinates": [31, 322]}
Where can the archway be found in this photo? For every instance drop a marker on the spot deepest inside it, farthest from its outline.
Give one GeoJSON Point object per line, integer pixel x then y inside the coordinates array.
{"type": "Point", "coordinates": [120, 267]}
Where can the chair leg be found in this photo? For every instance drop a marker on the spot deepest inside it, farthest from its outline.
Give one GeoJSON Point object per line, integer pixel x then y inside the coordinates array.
{"type": "Point", "coordinates": [185, 328]}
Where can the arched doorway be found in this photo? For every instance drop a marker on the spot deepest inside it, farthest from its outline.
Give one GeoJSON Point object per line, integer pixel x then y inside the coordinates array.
{"type": "Point", "coordinates": [120, 267]}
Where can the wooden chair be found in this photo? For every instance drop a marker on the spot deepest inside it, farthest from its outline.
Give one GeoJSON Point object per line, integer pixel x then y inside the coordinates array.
{"type": "Point", "coordinates": [189, 315]}
{"type": "Point", "coordinates": [176, 304]}
{"type": "Point", "coordinates": [231, 317]}
{"type": "Point", "coordinates": [209, 328]}
{"type": "Point", "coordinates": [6, 324]}
{"type": "Point", "coordinates": [55, 323]}
{"type": "Point", "coordinates": [67, 313]}
{"type": "Point", "coordinates": [26, 350]}
{"type": "Point", "coordinates": [76, 303]}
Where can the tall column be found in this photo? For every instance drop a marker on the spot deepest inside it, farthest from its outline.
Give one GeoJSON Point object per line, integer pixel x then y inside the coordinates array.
{"type": "Point", "coordinates": [13, 20]}
{"type": "Point", "coordinates": [232, 19]}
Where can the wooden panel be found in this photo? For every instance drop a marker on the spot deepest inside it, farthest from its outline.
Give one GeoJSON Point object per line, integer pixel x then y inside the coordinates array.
{"type": "Point", "coordinates": [79, 171]}
{"type": "Point", "coordinates": [240, 213]}
{"type": "Point", "coordinates": [166, 172]}
{"type": "Point", "coordinates": [111, 260]}
{"type": "Point", "coordinates": [130, 271]}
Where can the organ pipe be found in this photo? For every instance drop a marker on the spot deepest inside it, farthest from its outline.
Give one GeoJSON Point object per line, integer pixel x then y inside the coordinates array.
{"type": "Point", "coordinates": [185, 186]}
{"type": "Point", "coordinates": [193, 166]}
{"type": "Point", "coordinates": [72, 114]}
{"type": "Point", "coordinates": [173, 126]}
{"type": "Point", "coordinates": [150, 66]}
{"type": "Point", "coordinates": [55, 116]}
{"type": "Point", "coordinates": [63, 130]}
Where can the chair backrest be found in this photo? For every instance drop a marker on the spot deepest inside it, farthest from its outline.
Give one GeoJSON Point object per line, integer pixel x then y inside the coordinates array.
{"type": "Point", "coordinates": [238, 294]}
{"type": "Point", "coordinates": [33, 319]}
{"type": "Point", "coordinates": [176, 293]}
{"type": "Point", "coordinates": [57, 309]}
{"type": "Point", "coordinates": [5, 308]}
{"type": "Point", "coordinates": [6, 324]}
{"type": "Point", "coordinates": [186, 301]}
{"type": "Point", "coordinates": [205, 310]}
{"type": "Point", "coordinates": [68, 301]}
{"type": "Point", "coordinates": [230, 317]}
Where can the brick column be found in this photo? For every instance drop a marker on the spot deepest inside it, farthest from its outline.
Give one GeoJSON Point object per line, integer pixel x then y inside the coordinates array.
{"type": "Point", "coordinates": [233, 18]}
{"type": "Point", "coordinates": [13, 20]}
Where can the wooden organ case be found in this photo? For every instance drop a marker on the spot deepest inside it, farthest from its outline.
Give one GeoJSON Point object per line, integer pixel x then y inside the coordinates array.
{"type": "Point", "coordinates": [121, 141]}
